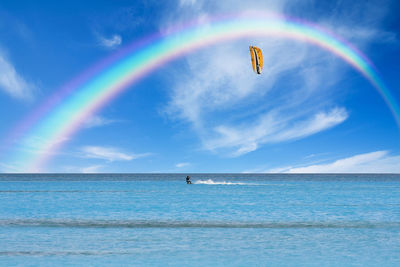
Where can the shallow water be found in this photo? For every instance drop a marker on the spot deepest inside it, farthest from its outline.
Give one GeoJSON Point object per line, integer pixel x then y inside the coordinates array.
{"type": "Point", "coordinates": [219, 220]}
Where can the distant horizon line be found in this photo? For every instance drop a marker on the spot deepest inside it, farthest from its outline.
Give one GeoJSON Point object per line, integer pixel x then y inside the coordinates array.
{"type": "Point", "coordinates": [194, 173]}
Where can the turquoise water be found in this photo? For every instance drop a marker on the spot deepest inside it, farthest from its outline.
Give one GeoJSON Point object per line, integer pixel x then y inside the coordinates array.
{"type": "Point", "coordinates": [220, 220]}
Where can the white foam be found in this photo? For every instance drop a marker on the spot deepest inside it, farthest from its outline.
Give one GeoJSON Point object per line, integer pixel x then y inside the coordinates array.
{"type": "Point", "coordinates": [211, 182]}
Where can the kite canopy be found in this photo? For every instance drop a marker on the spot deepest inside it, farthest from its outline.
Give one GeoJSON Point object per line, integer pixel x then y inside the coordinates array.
{"type": "Point", "coordinates": [256, 59]}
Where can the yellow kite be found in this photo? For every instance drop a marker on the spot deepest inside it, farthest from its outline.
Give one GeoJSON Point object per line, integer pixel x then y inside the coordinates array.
{"type": "Point", "coordinates": [256, 59]}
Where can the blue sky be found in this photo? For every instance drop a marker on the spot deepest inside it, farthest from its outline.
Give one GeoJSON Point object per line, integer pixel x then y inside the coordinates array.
{"type": "Point", "coordinates": [208, 112]}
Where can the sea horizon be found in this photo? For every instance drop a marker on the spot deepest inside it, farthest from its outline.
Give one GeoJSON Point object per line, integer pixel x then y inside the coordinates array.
{"type": "Point", "coordinates": [219, 220]}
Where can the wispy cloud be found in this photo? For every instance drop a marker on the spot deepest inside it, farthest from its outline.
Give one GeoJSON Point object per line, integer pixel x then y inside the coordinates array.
{"type": "Point", "coordinates": [97, 121]}
{"type": "Point", "coordinates": [91, 169]}
{"type": "Point", "coordinates": [182, 164]}
{"type": "Point", "coordinates": [360, 22]}
{"type": "Point", "coordinates": [272, 129]}
{"type": "Point", "coordinates": [111, 43]}
{"type": "Point", "coordinates": [319, 122]}
{"type": "Point", "coordinates": [234, 111]}
{"type": "Point", "coordinates": [187, 2]}
{"type": "Point", "coordinates": [81, 169]}
{"type": "Point", "coordinates": [360, 34]}
{"type": "Point", "coordinates": [9, 168]}
{"type": "Point", "coordinates": [373, 162]}
{"type": "Point", "coordinates": [12, 82]}
{"type": "Point", "coordinates": [109, 153]}
{"type": "Point", "coordinates": [38, 144]}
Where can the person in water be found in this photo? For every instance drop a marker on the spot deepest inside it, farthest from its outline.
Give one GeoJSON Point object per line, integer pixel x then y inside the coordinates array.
{"type": "Point", "coordinates": [188, 180]}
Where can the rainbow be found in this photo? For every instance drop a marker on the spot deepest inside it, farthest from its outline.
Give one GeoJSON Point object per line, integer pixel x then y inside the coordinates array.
{"type": "Point", "coordinates": [64, 113]}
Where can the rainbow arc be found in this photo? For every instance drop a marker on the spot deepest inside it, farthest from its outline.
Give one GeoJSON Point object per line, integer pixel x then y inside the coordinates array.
{"type": "Point", "coordinates": [64, 113]}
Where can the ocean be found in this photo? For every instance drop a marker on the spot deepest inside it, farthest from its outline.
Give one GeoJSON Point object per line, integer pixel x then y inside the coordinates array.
{"type": "Point", "coordinates": [219, 220]}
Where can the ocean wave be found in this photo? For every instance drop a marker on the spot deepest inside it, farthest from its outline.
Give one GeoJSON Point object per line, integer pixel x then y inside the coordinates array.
{"type": "Point", "coordinates": [64, 253]}
{"type": "Point", "coordinates": [190, 224]}
{"type": "Point", "coordinates": [211, 182]}
{"type": "Point", "coordinates": [66, 191]}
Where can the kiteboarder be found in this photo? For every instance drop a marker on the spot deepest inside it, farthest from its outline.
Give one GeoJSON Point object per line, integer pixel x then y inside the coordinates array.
{"type": "Point", "coordinates": [188, 180]}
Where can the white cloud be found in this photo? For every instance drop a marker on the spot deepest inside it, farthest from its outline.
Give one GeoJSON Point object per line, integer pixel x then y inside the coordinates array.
{"type": "Point", "coordinates": [9, 168]}
{"type": "Point", "coordinates": [79, 169]}
{"type": "Point", "coordinates": [234, 111]}
{"type": "Point", "coordinates": [272, 129]}
{"type": "Point", "coordinates": [97, 121]}
{"type": "Point", "coordinates": [373, 162]}
{"type": "Point", "coordinates": [91, 169]}
{"type": "Point", "coordinates": [112, 42]}
{"type": "Point", "coordinates": [182, 164]}
{"type": "Point", "coordinates": [12, 82]}
{"type": "Point", "coordinates": [37, 144]}
{"type": "Point", "coordinates": [109, 153]}
{"type": "Point", "coordinates": [319, 122]}
{"type": "Point", "coordinates": [361, 34]}
{"type": "Point", "coordinates": [187, 2]}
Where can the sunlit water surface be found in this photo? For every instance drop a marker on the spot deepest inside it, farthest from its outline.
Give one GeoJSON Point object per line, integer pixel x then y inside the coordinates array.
{"type": "Point", "coordinates": [219, 220]}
